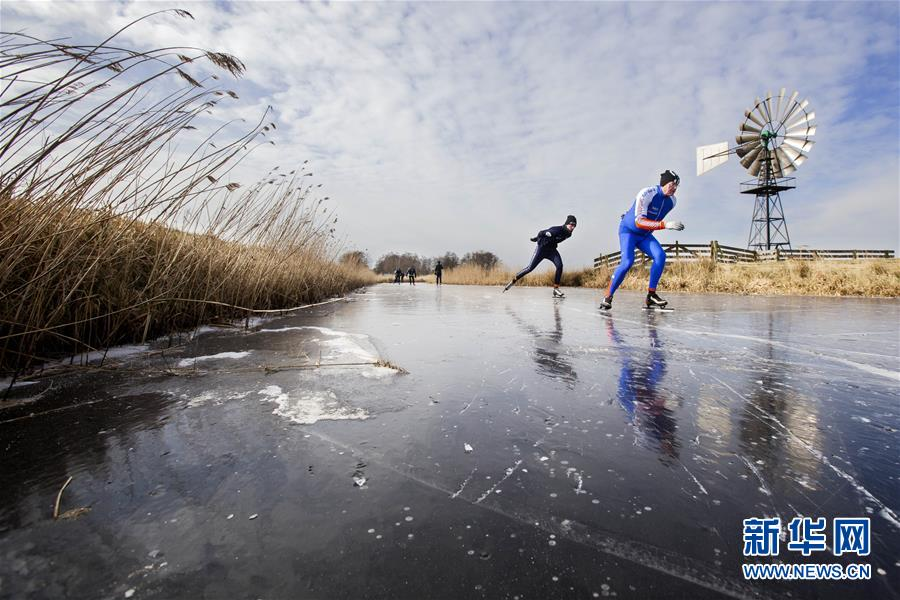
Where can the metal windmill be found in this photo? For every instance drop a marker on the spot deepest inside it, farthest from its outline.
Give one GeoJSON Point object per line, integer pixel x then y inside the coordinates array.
{"type": "Point", "coordinates": [774, 140]}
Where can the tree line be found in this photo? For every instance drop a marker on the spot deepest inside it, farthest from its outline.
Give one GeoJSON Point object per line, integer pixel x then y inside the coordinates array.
{"type": "Point", "coordinates": [392, 261]}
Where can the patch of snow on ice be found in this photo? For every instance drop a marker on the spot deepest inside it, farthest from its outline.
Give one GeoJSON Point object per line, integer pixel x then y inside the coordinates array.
{"type": "Point", "coordinates": [310, 407]}
{"type": "Point", "coordinates": [190, 362]}
{"type": "Point", "coordinates": [378, 372]}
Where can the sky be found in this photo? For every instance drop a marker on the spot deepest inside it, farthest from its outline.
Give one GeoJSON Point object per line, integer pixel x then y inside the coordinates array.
{"type": "Point", "coordinates": [463, 126]}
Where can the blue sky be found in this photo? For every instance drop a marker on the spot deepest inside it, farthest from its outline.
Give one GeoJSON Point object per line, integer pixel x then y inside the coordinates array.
{"type": "Point", "coordinates": [463, 126]}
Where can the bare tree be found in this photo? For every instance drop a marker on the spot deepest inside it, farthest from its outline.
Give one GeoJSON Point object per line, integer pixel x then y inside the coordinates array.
{"type": "Point", "coordinates": [482, 258]}
{"type": "Point", "coordinates": [355, 258]}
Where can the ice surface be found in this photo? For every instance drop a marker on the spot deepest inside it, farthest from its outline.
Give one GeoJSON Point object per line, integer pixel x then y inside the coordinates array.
{"type": "Point", "coordinates": [616, 452]}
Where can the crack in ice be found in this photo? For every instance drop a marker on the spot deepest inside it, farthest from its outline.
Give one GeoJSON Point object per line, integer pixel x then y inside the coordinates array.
{"type": "Point", "coordinates": [464, 483]}
{"type": "Point", "coordinates": [509, 472]}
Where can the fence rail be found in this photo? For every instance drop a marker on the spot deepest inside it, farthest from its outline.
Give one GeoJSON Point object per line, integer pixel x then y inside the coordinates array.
{"type": "Point", "coordinates": [715, 251]}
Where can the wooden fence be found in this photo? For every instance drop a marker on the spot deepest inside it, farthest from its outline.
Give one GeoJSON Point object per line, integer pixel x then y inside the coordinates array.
{"type": "Point", "coordinates": [729, 254]}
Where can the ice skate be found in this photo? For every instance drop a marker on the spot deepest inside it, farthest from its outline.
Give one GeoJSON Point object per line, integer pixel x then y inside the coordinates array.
{"type": "Point", "coordinates": [654, 301]}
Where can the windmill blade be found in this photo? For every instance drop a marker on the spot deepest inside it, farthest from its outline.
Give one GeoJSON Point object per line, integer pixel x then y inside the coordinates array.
{"type": "Point", "coordinates": [801, 143]}
{"type": "Point", "coordinates": [760, 111]}
{"type": "Point", "coordinates": [711, 156]}
{"type": "Point", "coordinates": [790, 152]}
{"type": "Point", "coordinates": [803, 147]}
{"type": "Point", "coordinates": [796, 157]}
{"type": "Point", "coordinates": [807, 117]}
{"type": "Point", "coordinates": [801, 132]}
{"type": "Point", "coordinates": [787, 105]}
{"type": "Point", "coordinates": [784, 160]}
{"type": "Point", "coordinates": [778, 105]}
{"type": "Point", "coordinates": [780, 163]}
{"type": "Point", "coordinates": [743, 149]}
{"type": "Point", "coordinates": [767, 105]}
{"type": "Point", "coordinates": [749, 114]}
{"type": "Point", "coordinates": [776, 167]}
{"type": "Point", "coordinates": [790, 104]}
{"type": "Point", "coordinates": [795, 110]}
{"type": "Point", "coordinates": [757, 165]}
{"type": "Point", "coordinates": [750, 157]}
{"type": "Point", "coordinates": [746, 126]}
{"type": "Point", "coordinates": [744, 138]}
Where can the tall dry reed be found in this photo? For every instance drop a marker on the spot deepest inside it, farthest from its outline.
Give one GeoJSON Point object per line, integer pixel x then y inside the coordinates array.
{"type": "Point", "coordinates": [106, 235]}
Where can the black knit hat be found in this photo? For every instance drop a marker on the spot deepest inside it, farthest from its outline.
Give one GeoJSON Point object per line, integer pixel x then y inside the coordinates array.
{"type": "Point", "coordinates": [571, 219]}
{"type": "Point", "coordinates": [668, 176]}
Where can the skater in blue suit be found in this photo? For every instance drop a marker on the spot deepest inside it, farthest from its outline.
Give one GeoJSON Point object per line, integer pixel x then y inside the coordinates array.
{"type": "Point", "coordinates": [645, 216]}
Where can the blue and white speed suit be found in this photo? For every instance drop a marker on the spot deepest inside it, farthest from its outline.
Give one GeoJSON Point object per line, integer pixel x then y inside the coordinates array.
{"type": "Point", "coordinates": [644, 217]}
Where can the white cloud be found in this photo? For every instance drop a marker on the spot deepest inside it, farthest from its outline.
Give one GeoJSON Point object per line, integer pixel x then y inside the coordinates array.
{"type": "Point", "coordinates": [463, 126]}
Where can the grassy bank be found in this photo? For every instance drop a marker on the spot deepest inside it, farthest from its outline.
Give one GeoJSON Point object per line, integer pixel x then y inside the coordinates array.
{"type": "Point", "coordinates": [803, 278]}
{"type": "Point", "coordinates": [108, 235]}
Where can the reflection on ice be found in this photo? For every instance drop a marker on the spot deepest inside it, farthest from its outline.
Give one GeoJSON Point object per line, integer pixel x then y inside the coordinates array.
{"type": "Point", "coordinates": [549, 353]}
{"type": "Point", "coordinates": [640, 391]}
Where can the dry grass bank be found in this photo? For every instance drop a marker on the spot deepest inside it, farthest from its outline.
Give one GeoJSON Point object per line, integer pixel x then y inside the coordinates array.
{"type": "Point", "coordinates": [473, 275]}
{"type": "Point", "coordinates": [109, 236]}
{"type": "Point", "coordinates": [879, 278]}
{"type": "Point", "coordinates": [794, 277]}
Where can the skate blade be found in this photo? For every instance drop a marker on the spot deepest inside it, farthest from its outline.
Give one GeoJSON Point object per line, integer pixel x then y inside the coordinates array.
{"type": "Point", "coordinates": [658, 309]}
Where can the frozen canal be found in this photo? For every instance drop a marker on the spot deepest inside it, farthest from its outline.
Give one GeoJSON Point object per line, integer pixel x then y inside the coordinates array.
{"type": "Point", "coordinates": [534, 449]}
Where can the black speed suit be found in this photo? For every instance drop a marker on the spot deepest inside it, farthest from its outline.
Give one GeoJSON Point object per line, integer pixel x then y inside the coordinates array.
{"type": "Point", "coordinates": [547, 239]}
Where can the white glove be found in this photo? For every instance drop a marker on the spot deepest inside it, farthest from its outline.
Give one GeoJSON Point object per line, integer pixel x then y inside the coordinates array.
{"type": "Point", "coordinates": [676, 225]}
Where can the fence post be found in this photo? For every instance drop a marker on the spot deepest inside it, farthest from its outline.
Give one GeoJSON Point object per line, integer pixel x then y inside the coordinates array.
{"type": "Point", "coordinates": [714, 250]}
{"type": "Point", "coordinates": [676, 250]}
{"type": "Point", "coordinates": [777, 253]}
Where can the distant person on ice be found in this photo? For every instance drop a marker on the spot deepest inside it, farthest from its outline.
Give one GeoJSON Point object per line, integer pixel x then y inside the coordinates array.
{"type": "Point", "coordinates": [645, 216]}
{"type": "Point", "coordinates": [411, 274]}
{"type": "Point", "coordinates": [438, 269]}
{"type": "Point", "coordinates": [547, 239]}
{"type": "Point", "coordinates": [398, 275]}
